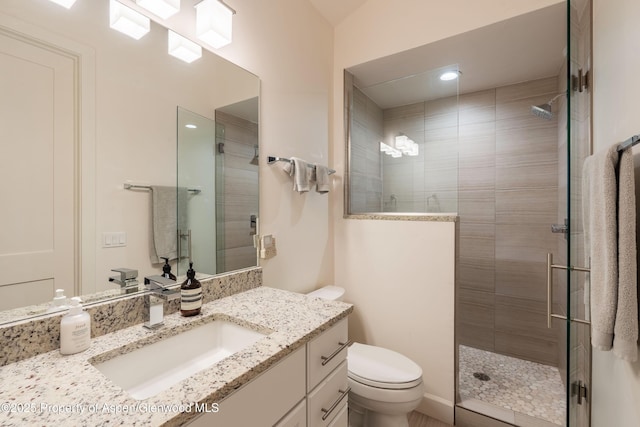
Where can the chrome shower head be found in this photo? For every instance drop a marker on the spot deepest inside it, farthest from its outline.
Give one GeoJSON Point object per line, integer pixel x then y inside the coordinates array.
{"type": "Point", "coordinates": [543, 111]}
{"type": "Point", "coordinates": [255, 160]}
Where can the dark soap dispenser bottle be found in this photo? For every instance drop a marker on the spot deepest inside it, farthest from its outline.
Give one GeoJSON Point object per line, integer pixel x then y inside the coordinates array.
{"type": "Point", "coordinates": [190, 294]}
{"type": "Point", "coordinates": [166, 270]}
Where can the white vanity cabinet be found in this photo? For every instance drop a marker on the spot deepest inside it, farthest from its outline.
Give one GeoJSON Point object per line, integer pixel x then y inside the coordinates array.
{"type": "Point", "coordinates": [265, 399]}
{"type": "Point", "coordinates": [307, 389]}
{"type": "Point", "coordinates": [327, 384]}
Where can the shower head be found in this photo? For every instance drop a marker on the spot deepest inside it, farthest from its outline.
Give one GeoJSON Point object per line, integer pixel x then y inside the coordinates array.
{"type": "Point", "coordinates": [543, 111]}
{"type": "Point", "coordinates": [255, 160]}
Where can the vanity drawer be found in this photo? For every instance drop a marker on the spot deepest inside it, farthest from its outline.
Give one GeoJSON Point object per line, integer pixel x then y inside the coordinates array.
{"type": "Point", "coordinates": [329, 398]}
{"type": "Point", "coordinates": [342, 419]}
{"type": "Point", "coordinates": [326, 352]}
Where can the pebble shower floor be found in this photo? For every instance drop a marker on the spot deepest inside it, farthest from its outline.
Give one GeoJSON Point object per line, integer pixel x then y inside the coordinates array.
{"type": "Point", "coordinates": [518, 385]}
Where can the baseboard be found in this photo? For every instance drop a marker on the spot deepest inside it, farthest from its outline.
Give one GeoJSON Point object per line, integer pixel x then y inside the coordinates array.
{"type": "Point", "coordinates": [437, 407]}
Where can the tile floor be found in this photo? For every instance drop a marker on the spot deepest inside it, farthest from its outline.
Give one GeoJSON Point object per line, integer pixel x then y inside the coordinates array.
{"type": "Point", "coordinates": [516, 385]}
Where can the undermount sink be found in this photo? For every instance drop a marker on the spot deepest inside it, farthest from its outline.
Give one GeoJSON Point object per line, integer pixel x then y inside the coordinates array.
{"type": "Point", "coordinates": [153, 368]}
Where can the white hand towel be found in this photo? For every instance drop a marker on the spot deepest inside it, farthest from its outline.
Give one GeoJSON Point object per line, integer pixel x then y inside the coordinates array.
{"type": "Point", "coordinates": [301, 173]}
{"type": "Point", "coordinates": [322, 179]}
{"type": "Point", "coordinates": [609, 220]}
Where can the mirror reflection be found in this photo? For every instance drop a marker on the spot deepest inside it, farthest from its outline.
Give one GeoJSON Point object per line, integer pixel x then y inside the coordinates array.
{"type": "Point", "coordinates": [104, 106]}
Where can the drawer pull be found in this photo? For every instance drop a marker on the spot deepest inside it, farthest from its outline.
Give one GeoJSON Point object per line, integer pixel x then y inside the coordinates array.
{"type": "Point", "coordinates": [327, 359]}
{"type": "Point", "coordinates": [328, 412]}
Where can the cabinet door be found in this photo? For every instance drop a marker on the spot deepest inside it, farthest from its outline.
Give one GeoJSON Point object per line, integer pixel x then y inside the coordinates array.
{"type": "Point", "coordinates": [296, 418]}
{"type": "Point", "coordinates": [265, 399]}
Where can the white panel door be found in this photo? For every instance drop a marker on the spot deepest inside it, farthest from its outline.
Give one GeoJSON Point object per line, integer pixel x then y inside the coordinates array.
{"type": "Point", "coordinates": [37, 170]}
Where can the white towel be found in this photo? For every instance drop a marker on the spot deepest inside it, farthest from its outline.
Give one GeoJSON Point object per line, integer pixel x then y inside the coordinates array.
{"type": "Point", "coordinates": [609, 220]}
{"type": "Point", "coordinates": [165, 221]}
{"type": "Point", "coordinates": [322, 179]}
{"type": "Point", "coordinates": [301, 173]}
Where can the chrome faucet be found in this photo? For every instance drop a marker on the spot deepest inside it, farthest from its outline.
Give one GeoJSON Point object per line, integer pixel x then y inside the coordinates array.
{"type": "Point", "coordinates": [155, 298]}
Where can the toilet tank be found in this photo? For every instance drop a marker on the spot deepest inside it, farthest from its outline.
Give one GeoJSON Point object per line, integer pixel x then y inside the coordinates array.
{"type": "Point", "coordinates": [334, 293]}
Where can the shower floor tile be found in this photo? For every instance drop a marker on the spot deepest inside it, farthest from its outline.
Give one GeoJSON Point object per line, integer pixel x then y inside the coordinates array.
{"type": "Point", "coordinates": [518, 385]}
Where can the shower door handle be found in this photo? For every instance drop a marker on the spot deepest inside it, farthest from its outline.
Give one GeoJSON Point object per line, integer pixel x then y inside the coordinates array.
{"type": "Point", "coordinates": [550, 267]}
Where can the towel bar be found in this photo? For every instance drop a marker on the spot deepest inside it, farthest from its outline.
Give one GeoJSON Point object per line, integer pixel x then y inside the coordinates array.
{"type": "Point", "coordinates": [550, 267]}
{"type": "Point", "coordinates": [272, 159]}
{"type": "Point", "coordinates": [128, 186]}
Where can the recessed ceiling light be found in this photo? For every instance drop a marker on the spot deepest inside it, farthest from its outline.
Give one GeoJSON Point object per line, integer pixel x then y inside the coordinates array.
{"type": "Point", "coordinates": [449, 75]}
{"type": "Point", "coordinates": [190, 126]}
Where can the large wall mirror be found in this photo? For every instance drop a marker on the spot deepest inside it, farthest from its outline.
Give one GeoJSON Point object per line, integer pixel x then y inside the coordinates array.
{"type": "Point", "coordinates": [406, 114]}
{"type": "Point", "coordinates": [89, 122]}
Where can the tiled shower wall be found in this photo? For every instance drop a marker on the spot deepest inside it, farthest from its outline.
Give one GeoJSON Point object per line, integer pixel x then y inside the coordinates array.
{"type": "Point", "coordinates": [508, 199]}
{"type": "Point", "coordinates": [501, 162]}
{"type": "Point", "coordinates": [237, 191]}
{"type": "Point", "coordinates": [365, 172]}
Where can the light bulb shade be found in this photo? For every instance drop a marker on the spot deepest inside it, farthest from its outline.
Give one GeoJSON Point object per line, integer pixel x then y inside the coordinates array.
{"type": "Point", "coordinates": [183, 48]}
{"type": "Point", "coordinates": [163, 8]}
{"type": "Point", "coordinates": [128, 21]}
{"type": "Point", "coordinates": [414, 151]}
{"type": "Point", "coordinates": [65, 3]}
{"type": "Point", "coordinates": [402, 142]}
{"type": "Point", "coordinates": [213, 23]}
{"type": "Point", "coordinates": [385, 148]}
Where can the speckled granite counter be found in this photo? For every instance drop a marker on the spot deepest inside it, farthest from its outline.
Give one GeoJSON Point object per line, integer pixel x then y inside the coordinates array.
{"type": "Point", "coordinates": [51, 389]}
{"type": "Point", "coordinates": [406, 216]}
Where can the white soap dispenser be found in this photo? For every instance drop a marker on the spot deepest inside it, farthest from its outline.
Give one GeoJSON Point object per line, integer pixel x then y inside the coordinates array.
{"type": "Point", "coordinates": [59, 302]}
{"type": "Point", "coordinates": [75, 329]}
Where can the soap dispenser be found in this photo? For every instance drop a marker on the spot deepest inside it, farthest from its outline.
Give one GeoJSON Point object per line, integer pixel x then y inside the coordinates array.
{"type": "Point", "coordinates": [59, 302]}
{"type": "Point", "coordinates": [75, 329]}
{"type": "Point", "coordinates": [190, 294]}
{"type": "Point", "coordinates": [166, 270]}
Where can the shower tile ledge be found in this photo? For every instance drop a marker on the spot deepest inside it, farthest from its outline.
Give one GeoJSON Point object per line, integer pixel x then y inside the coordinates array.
{"type": "Point", "coordinates": [409, 216]}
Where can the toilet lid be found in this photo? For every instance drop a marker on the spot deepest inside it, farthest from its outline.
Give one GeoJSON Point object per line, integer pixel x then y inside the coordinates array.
{"type": "Point", "coordinates": [381, 367]}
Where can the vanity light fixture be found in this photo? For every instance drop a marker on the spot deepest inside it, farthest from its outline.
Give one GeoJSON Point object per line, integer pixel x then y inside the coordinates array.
{"type": "Point", "coordinates": [183, 48]}
{"type": "Point", "coordinates": [387, 149]}
{"type": "Point", "coordinates": [65, 3]}
{"type": "Point", "coordinates": [163, 8]}
{"type": "Point", "coordinates": [128, 21]}
{"type": "Point", "coordinates": [214, 22]}
{"type": "Point", "coordinates": [190, 126]}
{"type": "Point", "coordinates": [449, 75]}
{"type": "Point", "coordinates": [406, 145]}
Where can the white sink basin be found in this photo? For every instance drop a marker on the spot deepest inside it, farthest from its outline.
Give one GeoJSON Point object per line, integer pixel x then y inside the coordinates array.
{"type": "Point", "coordinates": [151, 369]}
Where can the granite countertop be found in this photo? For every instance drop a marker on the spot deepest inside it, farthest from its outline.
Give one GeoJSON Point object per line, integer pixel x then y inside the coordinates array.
{"type": "Point", "coordinates": [51, 389]}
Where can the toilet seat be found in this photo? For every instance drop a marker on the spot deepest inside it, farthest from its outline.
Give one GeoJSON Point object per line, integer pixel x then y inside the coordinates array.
{"type": "Point", "coordinates": [382, 368]}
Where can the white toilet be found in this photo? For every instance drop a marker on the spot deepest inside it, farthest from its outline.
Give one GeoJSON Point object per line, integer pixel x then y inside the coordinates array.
{"type": "Point", "coordinates": [385, 386]}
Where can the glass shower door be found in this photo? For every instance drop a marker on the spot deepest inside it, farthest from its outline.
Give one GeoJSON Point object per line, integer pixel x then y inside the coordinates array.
{"type": "Point", "coordinates": [578, 375]}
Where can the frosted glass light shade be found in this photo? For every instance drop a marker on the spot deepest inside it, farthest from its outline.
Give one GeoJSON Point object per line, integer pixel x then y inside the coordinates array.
{"type": "Point", "coordinates": [128, 21]}
{"type": "Point", "coordinates": [163, 8]}
{"type": "Point", "coordinates": [65, 3]}
{"type": "Point", "coordinates": [213, 23]}
{"type": "Point", "coordinates": [183, 48]}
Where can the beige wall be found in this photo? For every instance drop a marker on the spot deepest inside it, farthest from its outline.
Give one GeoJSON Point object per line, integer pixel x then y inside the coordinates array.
{"type": "Point", "coordinates": [616, 112]}
{"type": "Point", "coordinates": [289, 46]}
{"type": "Point", "coordinates": [359, 245]}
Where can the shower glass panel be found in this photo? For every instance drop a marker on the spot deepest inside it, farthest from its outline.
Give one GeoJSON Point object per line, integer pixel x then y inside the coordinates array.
{"type": "Point", "coordinates": [196, 193]}
{"type": "Point", "coordinates": [577, 293]}
{"type": "Point", "coordinates": [520, 172]}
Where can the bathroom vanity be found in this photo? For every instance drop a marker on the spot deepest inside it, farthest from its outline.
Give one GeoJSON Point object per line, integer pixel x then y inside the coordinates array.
{"type": "Point", "coordinates": [296, 372]}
